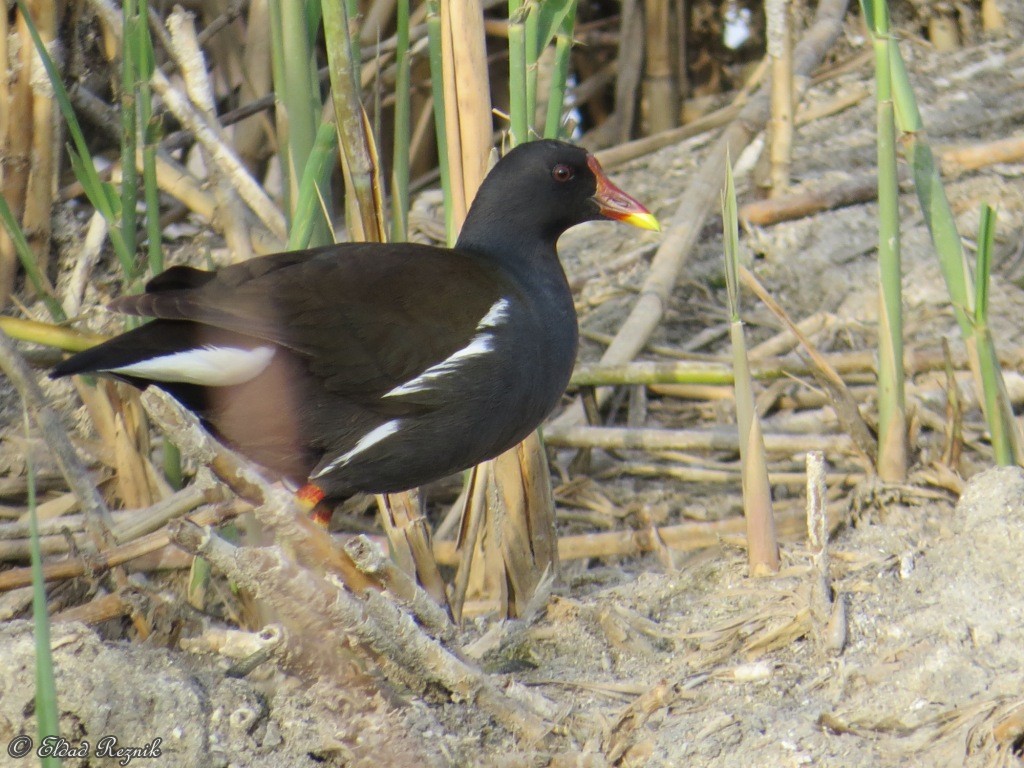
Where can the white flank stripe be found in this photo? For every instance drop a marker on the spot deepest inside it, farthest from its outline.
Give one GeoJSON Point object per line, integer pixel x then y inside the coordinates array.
{"type": "Point", "coordinates": [480, 345]}
{"type": "Point", "coordinates": [368, 440]}
{"type": "Point", "coordinates": [208, 366]}
{"type": "Point", "coordinates": [495, 316]}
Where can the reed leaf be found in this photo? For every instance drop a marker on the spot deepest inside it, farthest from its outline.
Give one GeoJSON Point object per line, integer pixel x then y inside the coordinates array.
{"type": "Point", "coordinates": [40, 283]}
{"type": "Point", "coordinates": [312, 188]}
{"type": "Point", "coordinates": [762, 543]}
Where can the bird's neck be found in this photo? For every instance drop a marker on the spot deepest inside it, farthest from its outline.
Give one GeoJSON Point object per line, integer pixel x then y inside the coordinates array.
{"type": "Point", "coordinates": [513, 245]}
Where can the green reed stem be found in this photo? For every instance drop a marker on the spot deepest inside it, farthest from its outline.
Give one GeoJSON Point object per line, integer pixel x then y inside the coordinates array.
{"type": "Point", "coordinates": [400, 150]}
{"type": "Point", "coordinates": [892, 425]}
{"type": "Point", "coordinates": [518, 115]}
{"type": "Point", "coordinates": [132, 25]}
{"type": "Point", "coordinates": [440, 118]}
{"type": "Point", "coordinates": [563, 53]}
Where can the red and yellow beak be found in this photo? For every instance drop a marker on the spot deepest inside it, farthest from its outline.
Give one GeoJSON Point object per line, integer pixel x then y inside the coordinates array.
{"type": "Point", "coordinates": [616, 204]}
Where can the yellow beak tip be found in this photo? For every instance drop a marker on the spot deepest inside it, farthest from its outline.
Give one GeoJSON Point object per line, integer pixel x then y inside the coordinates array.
{"type": "Point", "coordinates": [643, 221]}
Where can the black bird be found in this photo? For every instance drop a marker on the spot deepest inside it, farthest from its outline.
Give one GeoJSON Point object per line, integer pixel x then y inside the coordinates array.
{"type": "Point", "coordinates": [380, 367]}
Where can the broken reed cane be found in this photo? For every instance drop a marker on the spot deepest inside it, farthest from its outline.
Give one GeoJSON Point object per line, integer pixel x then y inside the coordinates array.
{"type": "Point", "coordinates": [762, 545]}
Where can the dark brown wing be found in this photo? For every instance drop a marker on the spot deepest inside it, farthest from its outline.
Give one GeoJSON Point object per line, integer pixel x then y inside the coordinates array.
{"type": "Point", "coordinates": [368, 317]}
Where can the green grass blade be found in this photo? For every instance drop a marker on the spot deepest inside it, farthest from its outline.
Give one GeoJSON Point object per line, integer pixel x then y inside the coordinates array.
{"type": "Point", "coordinates": [986, 240]}
{"type": "Point", "coordinates": [47, 712]}
{"type": "Point", "coordinates": [315, 178]}
{"type": "Point", "coordinates": [28, 262]}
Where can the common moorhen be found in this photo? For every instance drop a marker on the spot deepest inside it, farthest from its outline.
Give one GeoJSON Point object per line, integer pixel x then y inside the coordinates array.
{"type": "Point", "coordinates": [373, 367]}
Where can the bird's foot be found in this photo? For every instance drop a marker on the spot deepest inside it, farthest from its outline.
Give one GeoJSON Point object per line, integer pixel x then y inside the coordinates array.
{"type": "Point", "coordinates": [311, 501]}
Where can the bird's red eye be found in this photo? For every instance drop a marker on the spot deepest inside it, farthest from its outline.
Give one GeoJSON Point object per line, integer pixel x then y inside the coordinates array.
{"type": "Point", "coordinates": [562, 172]}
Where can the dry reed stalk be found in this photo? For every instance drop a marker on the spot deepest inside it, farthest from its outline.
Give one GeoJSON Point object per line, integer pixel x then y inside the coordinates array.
{"type": "Point", "coordinates": [684, 537]}
{"type": "Point", "coordinates": [407, 530]}
{"type": "Point", "coordinates": [468, 542]}
{"type": "Point", "coordinates": [844, 404]}
{"type": "Point", "coordinates": [660, 90]}
{"type": "Point", "coordinates": [376, 21]}
{"type": "Point", "coordinates": [172, 178]}
{"type": "Point", "coordinates": [762, 544]}
{"type": "Point", "coordinates": [785, 341]}
{"type": "Point", "coordinates": [701, 198]}
{"type": "Point", "coordinates": [943, 32]}
{"type": "Point", "coordinates": [521, 517]}
{"type": "Point", "coordinates": [798, 205]}
{"type": "Point", "coordinates": [176, 181]}
{"type": "Point", "coordinates": [115, 414]}
{"type": "Point", "coordinates": [41, 182]}
{"type": "Point", "coordinates": [655, 439]}
{"type": "Point", "coordinates": [467, 96]}
{"type": "Point", "coordinates": [275, 507]}
{"type": "Point", "coordinates": [112, 557]}
{"type": "Point", "coordinates": [627, 81]}
{"type": "Point", "coordinates": [17, 140]}
{"type": "Point", "coordinates": [916, 361]}
{"type": "Point", "coordinates": [992, 16]}
{"type": "Point", "coordinates": [253, 137]}
{"type": "Point", "coordinates": [97, 516]}
{"type": "Point", "coordinates": [817, 526]}
{"type": "Point", "coordinates": [372, 561]}
{"type": "Point", "coordinates": [96, 611]}
{"type": "Point", "coordinates": [792, 479]}
{"type": "Point", "coordinates": [956, 160]}
{"type": "Point", "coordinates": [780, 126]}
{"type": "Point", "coordinates": [358, 152]}
{"type": "Point", "coordinates": [230, 215]}
{"type": "Point", "coordinates": [210, 136]}
{"type": "Point", "coordinates": [403, 651]}
{"type": "Point", "coordinates": [805, 114]}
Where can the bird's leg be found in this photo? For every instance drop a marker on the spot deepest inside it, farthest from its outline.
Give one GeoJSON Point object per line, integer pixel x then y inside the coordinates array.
{"type": "Point", "coordinates": [310, 499]}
